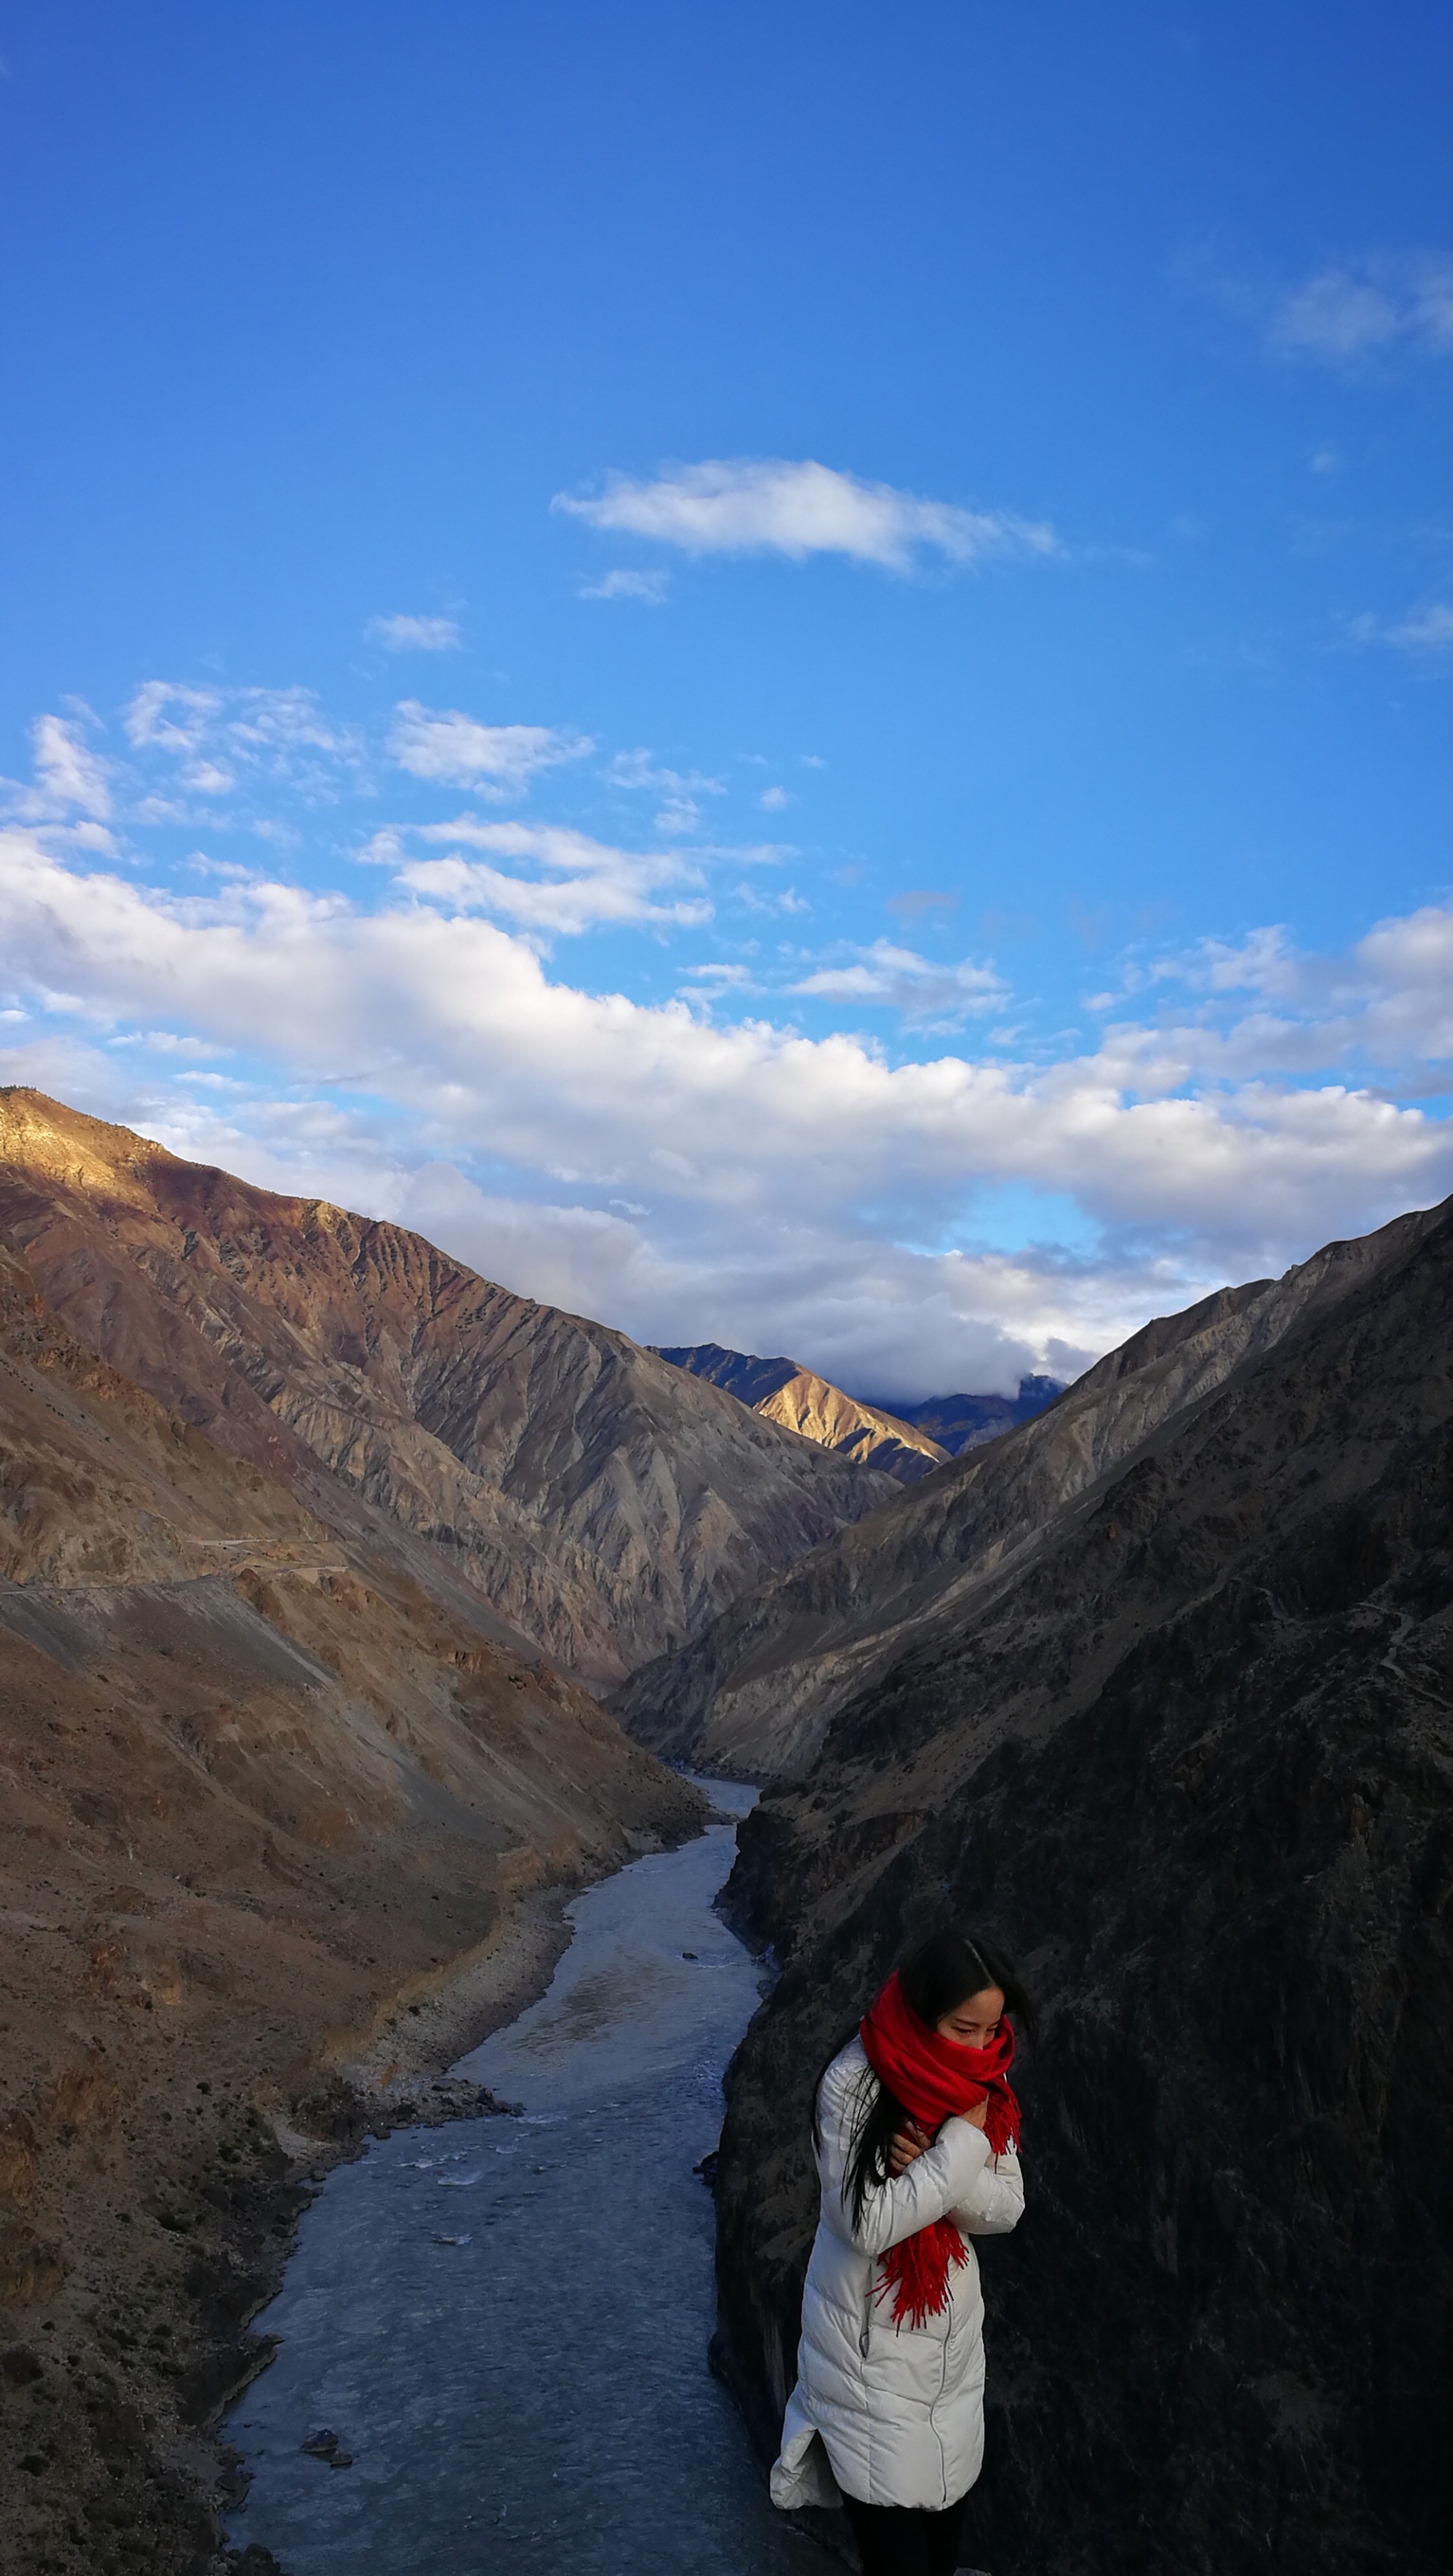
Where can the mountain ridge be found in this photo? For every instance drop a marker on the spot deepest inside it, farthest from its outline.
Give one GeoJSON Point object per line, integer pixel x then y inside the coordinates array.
{"type": "Point", "coordinates": [782, 1391]}
{"type": "Point", "coordinates": [556, 1476]}
{"type": "Point", "coordinates": [759, 1688]}
{"type": "Point", "coordinates": [963, 1421]}
{"type": "Point", "coordinates": [904, 1441]}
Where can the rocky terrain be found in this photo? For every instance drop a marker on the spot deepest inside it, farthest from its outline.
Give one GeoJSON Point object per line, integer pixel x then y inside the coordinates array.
{"type": "Point", "coordinates": [566, 1482]}
{"type": "Point", "coordinates": [1185, 1750]}
{"type": "Point", "coordinates": [272, 1813]}
{"type": "Point", "coordinates": [783, 1391]}
{"type": "Point", "coordinates": [757, 1691]}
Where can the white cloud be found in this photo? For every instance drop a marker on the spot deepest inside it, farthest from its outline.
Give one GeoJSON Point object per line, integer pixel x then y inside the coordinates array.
{"type": "Point", "coordinates": [901, 980]}
{"type": "Point", "coordinates": [70, 778]}
{"type": "Point", "coordinates": [1424, 630]}
{"type": "Point", "coordinates": [218, 737]}
{"type": "Point", "coordinates": [1352, 310]}
{"type": "Point", "coordinates": [592, 883]}
{"type": "Point", "coordinates": [783, 899]}
{"type": "Point", "coordinates": [679, 1167]}
{"type": "Point", "coordinates": [882, 1321]}
{"type": "Point", "coordinates": [1265, 962]}
{"type": "Point", "coordinates": [680, 790]}
{"type": "Point", "coordinates": [1383, 1007]}
{"type": "Point", "coordinates": [650, 587]}
{"type": "Point", "coordinates": [798, 1186]}
{"type": "Point", "coordinates": [727, 978]}
{"type": "Point", "coordinates": [751, 854]}
{"type": "Point", "coordinates": [415, 634]}
{"type": "Point", "coordinates": [770, 505]}
{"type": "Point", "coordinates": [169, 716]}
{"type": "Point", "coordinates": [454, 750]}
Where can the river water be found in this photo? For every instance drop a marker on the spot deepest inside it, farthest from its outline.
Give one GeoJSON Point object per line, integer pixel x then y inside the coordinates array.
{"type": "Point", "coordinates": [505, 2321]}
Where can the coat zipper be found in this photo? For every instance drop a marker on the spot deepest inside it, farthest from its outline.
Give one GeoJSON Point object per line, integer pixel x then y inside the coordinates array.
{"type": "Point", "coordinates": [942, 2378]}
{"type": "Point", "coordinates": [933, 2409]}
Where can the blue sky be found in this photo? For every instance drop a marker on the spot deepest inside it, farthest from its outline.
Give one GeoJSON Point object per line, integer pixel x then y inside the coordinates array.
{"type": "Point", "coordinates": [782, 672]}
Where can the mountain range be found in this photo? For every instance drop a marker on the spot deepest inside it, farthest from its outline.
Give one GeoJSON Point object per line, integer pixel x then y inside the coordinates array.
{"type": "Point", "coordinates": [759, 1688]}
{"type": "Point", "coordinates": [574, 1492]}
{"type": "Point", "coordinates": [905, 1443]}
{"type": "Point", "coordinates": [960, 1422]}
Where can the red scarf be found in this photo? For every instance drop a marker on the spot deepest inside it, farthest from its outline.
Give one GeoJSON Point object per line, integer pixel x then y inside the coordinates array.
{"type": "Point", "coordinates": [934, 2080]}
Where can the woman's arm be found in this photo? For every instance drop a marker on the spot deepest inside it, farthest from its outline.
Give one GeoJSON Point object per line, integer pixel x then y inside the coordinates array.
{"type": "Point", "coordinates": [935, 2183]}
{"type": "Point", "coordinates": [996, 2201]}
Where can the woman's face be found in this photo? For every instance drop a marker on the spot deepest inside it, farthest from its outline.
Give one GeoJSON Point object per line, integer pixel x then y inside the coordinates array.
{"type": "Point", "coordinates": [973, 2023]}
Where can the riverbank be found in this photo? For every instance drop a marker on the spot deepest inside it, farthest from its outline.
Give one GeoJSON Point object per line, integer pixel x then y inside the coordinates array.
{"type": "Point", "coordinates": [151, 2197]}
{"type": "Point", "coordinates": [426, 2291]}
{"type": "Point", "coordinates": [428, 2030]}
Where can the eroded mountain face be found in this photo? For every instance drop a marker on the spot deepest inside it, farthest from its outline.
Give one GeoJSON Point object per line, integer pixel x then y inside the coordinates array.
{"type": "Point", "coordinates": [264, 1794]}
{"type": "Point", "coordinates": [595, 1500]}
{"type": "Point", "coordinates": [1189, 1757]}
{"type": "Point", "coordinates": [758, 1690]}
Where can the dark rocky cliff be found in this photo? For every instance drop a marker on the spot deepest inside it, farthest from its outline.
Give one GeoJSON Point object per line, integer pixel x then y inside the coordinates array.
{"type": "Point", "coordinates": [1193, 1764]}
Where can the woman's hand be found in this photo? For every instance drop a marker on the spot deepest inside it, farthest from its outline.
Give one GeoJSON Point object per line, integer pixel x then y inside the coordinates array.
{"type": "Point", "coordinates": [912, 2138]}
{"type": "Point", "coordinates": [907, 2145]}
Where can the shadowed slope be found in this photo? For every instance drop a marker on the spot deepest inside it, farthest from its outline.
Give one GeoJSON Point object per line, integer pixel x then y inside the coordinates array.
{"type": "Point", "coordinates": [757, 1691]}
{"type": "Point", "coordinates": [1191, 1758]}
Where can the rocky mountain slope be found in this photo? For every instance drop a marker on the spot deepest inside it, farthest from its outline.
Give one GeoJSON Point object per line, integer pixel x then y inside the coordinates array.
{"type": "Point", "coordinates": [264, 1798]}
{"type": "Point", "coordinates": [758, 1689]}
{"type": "Point", "coordinates": [801, 1401]}
{"type": "Point", "coordinates": [1189, 1755]}
{"type": "Point", "coordinates": [555, 1474]}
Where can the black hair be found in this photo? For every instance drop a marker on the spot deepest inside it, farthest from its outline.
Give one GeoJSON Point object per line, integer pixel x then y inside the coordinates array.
{"type": "Point", "coordinates": [940, 1974]}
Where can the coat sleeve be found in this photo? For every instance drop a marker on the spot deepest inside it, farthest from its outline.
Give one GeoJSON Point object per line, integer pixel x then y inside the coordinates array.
{"type": "Point", "coordinates": [996, 2201]}
{"type": "Point", "coordinates": [935, 2183]}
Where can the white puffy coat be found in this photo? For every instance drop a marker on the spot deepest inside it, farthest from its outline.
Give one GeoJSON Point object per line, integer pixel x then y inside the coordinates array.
{"type": "Point", "coordinates": [900, 2409]}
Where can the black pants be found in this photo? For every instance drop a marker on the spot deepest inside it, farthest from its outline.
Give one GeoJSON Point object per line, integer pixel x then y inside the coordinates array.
{"type": "Point", "coordinates": [907, 2540]}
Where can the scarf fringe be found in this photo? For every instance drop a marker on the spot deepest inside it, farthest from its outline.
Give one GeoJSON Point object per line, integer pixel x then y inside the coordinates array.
{"type": "Point", "coordinates": [917, 2272]}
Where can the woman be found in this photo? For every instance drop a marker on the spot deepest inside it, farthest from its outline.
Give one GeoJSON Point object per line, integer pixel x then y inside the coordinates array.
{"type": "Point", "coordinates": [916, 2134]}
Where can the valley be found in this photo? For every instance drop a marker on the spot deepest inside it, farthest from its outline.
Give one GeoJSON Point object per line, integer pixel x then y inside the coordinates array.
{"type": "Point", "coordinates": [357, 1614]}
{"type": "Point", "coordinates": [313, 1549]}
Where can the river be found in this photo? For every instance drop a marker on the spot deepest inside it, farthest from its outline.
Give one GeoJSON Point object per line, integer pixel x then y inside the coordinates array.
{"type": "Point", "coordinates": [505, 2321]}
